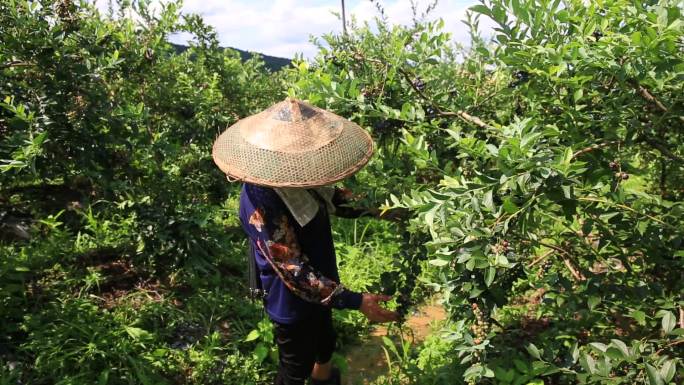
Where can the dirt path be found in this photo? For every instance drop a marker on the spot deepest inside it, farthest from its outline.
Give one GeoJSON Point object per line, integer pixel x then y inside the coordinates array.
{"type": "Point", "coordinates": [367, 360]}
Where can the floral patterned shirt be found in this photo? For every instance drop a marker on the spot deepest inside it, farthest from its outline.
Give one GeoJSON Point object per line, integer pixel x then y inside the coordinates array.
{"type": "Point", "coordinates": [298, 267]}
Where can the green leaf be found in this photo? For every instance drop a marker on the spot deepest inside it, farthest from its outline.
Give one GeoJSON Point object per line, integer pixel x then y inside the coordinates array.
{"type": "Point", "coordinates": [473, 371]}
{"type": "Point", "coordinates": [253, 335]}
{"type": "Point", "coordinates": [501, 260]}
{"type": "Point", "coordinates": [529, 139]}
{"type": "Point", "coordinates": [103, 378]}
{"type": "Point", "coordinates": [568, 192]}
{"type": "Point", "coordinates": [578, 94]}
{"type": "Point", "coordinates": [639, 316]}
{"type": "Point", "coordinates": [588, 363]}
{"type": "Point", "coordinates": [489, 276]}
{"type": "Point", "coordinates": [438, 262]}
{"type": "Point", "coordinates": [642, 226]}
{"type": "Point", "coordinates": [137, 334]}
{"type": "Point", "coordinates": [599, 346]}
{"type": "Point", "coordinates": [567, 156]}
{"type": "Point", "coordinates": [488, 201]}
{"type": "Point", "coordinates": [593, 301]}
{"type": "Point", "coordinates": [622, 347]}
{"type": "Point", "coordinates": [534, 352]}
{"type": "Point", "coordinates": [603, 367]}
{"type": "Point", "coordinates": [575, 352]}
{"type": "Point", "coordinates": [509, 207]}
{"type": "Point", "coordinates": [389, 344]}
{"type": "Point", "coordinates": [479, 8]}
{"type": "Point", "coordinates": [464, 257]}
{"type": "Point", "coordinates": [668, 322]}
{"type": "Point", "coordinates": [614, 353]}
{"type": "Point", "coordinates": [668, 370]}
{"type": "Point", "coordinates": [653, 375]}
{"type": "Point", "coordinates": [260, 352]}
{"type": "Point", "coordinates": [521, 366]}
{"type": "Point", "coordinates": [509, 376]}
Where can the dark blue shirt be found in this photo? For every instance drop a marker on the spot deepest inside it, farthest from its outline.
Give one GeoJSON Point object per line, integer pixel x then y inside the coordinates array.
{"type": "Point", "coordinates": [297, 265]}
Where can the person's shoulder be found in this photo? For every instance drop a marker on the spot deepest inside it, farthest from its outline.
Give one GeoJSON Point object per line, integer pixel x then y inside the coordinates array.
{"type": "Point", "coordinates": [259, 195]}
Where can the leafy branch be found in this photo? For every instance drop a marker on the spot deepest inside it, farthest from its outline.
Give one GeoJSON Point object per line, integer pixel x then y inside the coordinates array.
{"type": "Point", "coordinates": [409, 79]}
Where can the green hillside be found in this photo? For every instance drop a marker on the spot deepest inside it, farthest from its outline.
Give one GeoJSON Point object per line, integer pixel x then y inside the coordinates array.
{"type": "Point", "coordinates": [273, 63]}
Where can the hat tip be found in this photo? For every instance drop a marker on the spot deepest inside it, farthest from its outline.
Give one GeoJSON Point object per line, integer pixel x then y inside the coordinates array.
{"type": "Point", "coordinates": [293, 106]}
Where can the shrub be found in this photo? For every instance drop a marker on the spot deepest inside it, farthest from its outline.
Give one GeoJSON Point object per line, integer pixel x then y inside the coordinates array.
{"type": "Point", "coordinates": [545, 166]}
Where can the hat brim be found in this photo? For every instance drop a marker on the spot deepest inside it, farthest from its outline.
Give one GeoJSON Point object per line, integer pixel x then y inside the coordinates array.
{"type": "Point", "coordinates": [330, 163]}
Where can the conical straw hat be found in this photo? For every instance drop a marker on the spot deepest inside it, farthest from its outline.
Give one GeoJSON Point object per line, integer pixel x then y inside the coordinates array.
{"type": "Point", "coordinates": [292, 144]}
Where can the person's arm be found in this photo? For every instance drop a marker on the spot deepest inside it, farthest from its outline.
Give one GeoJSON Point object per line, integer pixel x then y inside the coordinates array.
{"type": "Point", "coordinates": [342, 200]}
{"type": "Point", "coordinates": [274, 236]}
{"type": "Point", "coordinates": [277, 242]}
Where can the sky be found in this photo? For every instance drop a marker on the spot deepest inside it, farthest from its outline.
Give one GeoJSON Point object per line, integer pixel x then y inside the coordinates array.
{"type": "Point", "coordinates": [283, 27]}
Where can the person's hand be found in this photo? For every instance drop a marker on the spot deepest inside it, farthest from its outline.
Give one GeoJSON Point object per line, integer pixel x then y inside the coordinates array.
{"type": "Point", "coordinates": [394, 215]}
{"type": "Point", "coordinates": [370, 307]}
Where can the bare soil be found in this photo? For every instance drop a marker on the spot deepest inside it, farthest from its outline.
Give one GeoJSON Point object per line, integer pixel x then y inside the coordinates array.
{"type": "Point", "coordinates": [367, 361]}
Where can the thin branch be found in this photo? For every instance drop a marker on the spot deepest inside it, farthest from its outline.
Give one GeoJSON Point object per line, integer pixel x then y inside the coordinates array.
{"type": "Point", "coordinates": [596, 200]}
{"type": "Point", "coordinates": [663, 178]}
{"type": "Point", "coordinates": [16, 63]}
{"type": "Point", "coordinates": [663, 149]}
{"type": "Point", "coordinates": [671, 344]}
{"type": "Point", "coordinates": [576, 273]}
{"type": "Point", "coordinates": [653, 143]}
{"type": "Point", "coordinates": [652, 99]}
{"type": "Point", "coordinates": [566, 257]}
{"type": "Point", "coordinates": [540, 258]}
{"type": "Point", "coordinates": [596, 147]}
{"type": "Point", "coordinates": [467, 117]}
{"type": "Point", "coordinates": [461, 114]}
{"type": "Point", "coordinates": [573, 270]}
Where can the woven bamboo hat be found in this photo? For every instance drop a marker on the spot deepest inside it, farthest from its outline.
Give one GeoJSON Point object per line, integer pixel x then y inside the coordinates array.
{"type": "Point", "coordinates": [292, 144]}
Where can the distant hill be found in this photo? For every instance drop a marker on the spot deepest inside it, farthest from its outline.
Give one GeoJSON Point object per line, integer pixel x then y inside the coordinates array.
{"type": "Point", "coordinates": [271, 62]}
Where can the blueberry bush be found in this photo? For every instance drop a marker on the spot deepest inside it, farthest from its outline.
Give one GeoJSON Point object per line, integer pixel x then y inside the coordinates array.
{"type": "Point", "coordinates": [543, 164]}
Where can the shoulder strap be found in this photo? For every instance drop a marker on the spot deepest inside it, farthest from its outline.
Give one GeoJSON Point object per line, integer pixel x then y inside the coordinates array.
{"type": "Point", "coordinates": [255, 289]}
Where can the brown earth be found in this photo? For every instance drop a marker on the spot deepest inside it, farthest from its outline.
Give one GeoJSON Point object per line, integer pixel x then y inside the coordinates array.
{"type": "Point", "coordinates": [366, 361]}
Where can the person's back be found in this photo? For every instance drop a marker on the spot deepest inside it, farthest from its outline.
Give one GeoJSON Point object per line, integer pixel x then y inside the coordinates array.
{"type": "Point", "coordinates": [265, 217]}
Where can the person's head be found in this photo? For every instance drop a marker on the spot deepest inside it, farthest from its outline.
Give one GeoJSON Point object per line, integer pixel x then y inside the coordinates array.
{"type": "Point", "coordinates": [292, 144]}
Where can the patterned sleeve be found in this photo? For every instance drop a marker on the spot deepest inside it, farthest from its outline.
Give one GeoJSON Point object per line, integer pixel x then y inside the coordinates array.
{"type": "Point", "coordinates": [277, 242]}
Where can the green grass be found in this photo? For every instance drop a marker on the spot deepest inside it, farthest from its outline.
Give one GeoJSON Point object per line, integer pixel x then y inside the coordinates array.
{"type": "Point", "coordinates": [97, 315]}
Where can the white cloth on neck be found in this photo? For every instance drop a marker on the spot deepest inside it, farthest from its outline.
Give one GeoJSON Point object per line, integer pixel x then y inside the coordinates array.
{"type": "Point", "coordinates": [302, 204]}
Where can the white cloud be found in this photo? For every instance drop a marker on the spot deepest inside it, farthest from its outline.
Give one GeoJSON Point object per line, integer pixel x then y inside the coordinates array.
{"type": "Point", "coordinates": [279, 28]}
{"type": "Point", "coordinates": [283, 27]}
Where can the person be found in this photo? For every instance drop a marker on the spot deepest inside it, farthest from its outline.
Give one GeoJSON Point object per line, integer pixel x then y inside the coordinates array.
{"type": "Point", "coordinates": [288, 157]}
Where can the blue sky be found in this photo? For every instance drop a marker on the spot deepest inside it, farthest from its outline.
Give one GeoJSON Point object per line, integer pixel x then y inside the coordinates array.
{"type": "Point", "coordinates": [283, 27]}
